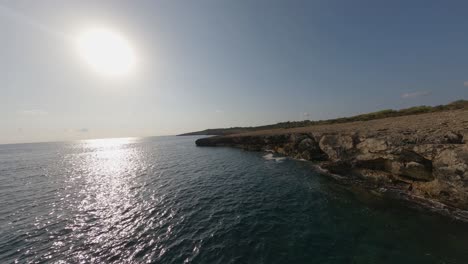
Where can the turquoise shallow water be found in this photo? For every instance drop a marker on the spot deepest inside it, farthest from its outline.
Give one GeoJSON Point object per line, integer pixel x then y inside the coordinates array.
{"type": "Point", "coordinates": [163, 200]}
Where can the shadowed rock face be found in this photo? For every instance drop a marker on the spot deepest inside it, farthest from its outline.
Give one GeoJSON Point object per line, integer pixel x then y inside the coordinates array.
{"type": "Point", "coordinates": [423, 158]}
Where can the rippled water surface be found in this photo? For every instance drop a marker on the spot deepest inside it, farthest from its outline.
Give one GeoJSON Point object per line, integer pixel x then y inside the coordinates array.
{"type": "Point", "coordinates": [163, 200]}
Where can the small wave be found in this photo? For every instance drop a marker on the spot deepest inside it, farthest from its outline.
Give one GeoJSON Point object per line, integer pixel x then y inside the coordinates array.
{"type": "Point", "coordinates": [270, 156]}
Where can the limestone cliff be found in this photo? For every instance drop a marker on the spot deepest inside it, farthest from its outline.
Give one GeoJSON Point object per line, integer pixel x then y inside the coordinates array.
{"type": "Point", "coordinates": [420, 158]}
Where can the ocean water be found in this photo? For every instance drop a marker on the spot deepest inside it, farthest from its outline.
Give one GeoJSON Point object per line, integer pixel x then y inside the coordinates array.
{"type": "Point", "coordinates": [164, 200]}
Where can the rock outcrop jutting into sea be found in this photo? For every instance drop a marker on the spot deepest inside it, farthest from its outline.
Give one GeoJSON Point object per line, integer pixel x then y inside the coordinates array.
{"type": "Point", "coordinates": [422, 158]}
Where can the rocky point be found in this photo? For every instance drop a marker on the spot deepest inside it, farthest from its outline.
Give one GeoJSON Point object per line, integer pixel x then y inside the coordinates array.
{"type": "Point", "coordinates": [422, 159]}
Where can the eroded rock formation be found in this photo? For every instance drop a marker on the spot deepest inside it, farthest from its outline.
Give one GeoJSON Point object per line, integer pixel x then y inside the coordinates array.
{"type": "Point", "coordinates": [421, 158]}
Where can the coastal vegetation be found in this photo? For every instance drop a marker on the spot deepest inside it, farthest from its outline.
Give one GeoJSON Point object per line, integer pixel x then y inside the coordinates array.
{"type": "Point", "coordinates": [459, 104]}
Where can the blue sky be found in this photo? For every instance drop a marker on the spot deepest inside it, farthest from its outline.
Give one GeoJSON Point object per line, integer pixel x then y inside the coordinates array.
{"type": "Point", "coordinates": [205, 64]}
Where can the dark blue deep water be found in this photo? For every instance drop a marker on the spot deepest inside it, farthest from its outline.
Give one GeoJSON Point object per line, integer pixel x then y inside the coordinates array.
{"type": "Point", "coordinates": [163, 200]}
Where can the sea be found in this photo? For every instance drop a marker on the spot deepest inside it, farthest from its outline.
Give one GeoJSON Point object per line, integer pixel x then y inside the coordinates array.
{"type": "Point", "coordinates": [164, 200]}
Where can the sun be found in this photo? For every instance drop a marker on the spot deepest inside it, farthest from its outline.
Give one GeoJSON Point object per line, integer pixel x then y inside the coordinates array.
{"type": "Point", "coordinates": [107, 52]}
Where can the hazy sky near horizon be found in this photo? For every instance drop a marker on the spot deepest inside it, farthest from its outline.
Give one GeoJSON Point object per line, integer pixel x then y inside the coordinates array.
{"type": "Point", "coordinates": [210, 63]}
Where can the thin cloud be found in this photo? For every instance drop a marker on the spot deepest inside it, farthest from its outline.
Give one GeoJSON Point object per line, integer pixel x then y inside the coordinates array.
{"type": "Point", "coordinates": [33, 112]}
{"type": "Point", "coordinates": [415, 94]}
{"type": "Point", "coordinates": [14, 15]}
{"type": "Point", "coordinates": [72, 131]}
{"type": "Point", "coordinates": [465, 84]}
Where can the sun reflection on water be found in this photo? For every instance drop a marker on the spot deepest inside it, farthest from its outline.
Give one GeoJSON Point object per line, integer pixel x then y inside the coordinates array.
{"type": "Point", "coordinates": [163, 200]}
{"type": "Point", "coordinates": [106, 173]}
{"type": "Point", "coordinates": [108, 142]}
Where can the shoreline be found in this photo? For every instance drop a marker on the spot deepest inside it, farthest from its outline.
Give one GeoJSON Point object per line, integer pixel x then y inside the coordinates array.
{"type": "Point", "coordinates": [420, 159]}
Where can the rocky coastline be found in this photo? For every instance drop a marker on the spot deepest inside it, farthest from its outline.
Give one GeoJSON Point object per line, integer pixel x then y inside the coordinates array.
{"type": "Point", "coordinates": [421, 159]}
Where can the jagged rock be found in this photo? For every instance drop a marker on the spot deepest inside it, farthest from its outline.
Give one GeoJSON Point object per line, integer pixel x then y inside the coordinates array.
{"type": "Point", "coordinates": [309, 149]}
{"type": "Point", "coordinates": [306, 144]}
{"type": "Point", "coordinates": [410, 164]}
{"type": "Point", "coordinates": [296, 138]}
{"type": "Point", "coordinates": [416, 171]}
{"type": "Point", "coordinates": [373, 163]}
{"type": "Point", "coordinates": [452, 162]}
{"type": "Point", "coordinates": [453, 138]}
{"type": "Point", "coordinates": [465, 137]}
{"type": "Point", "coordinates": [339, 167]}
{"type": "Point", "coordinates": [336, 146]}
{"type": "Point", "coordinates": [372, 145]}
{"type": "Point", "coordinates": [428, 151]}
{"type": "Point", "coordinates": [276, 139]}
{"type": "Point", "coordinates": [446, 158]}
{"type": "Point", "coordinates": [421, 157]}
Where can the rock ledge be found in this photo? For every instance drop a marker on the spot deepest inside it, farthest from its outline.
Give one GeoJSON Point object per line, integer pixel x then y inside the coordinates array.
{"type": "Point", "coordinates": [422, 159]}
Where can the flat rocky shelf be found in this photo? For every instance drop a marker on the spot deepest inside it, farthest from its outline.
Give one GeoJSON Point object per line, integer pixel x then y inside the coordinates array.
{"type": "Point", "coordinates": [421, 158]}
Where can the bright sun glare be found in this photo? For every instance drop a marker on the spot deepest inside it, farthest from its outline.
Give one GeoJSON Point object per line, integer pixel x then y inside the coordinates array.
{"type": "Point", "coordinates": [106, 52]}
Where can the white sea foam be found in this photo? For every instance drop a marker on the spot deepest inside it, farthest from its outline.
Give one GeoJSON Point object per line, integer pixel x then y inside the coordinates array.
{"type": "Point", "coordinates": [270, 156]}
